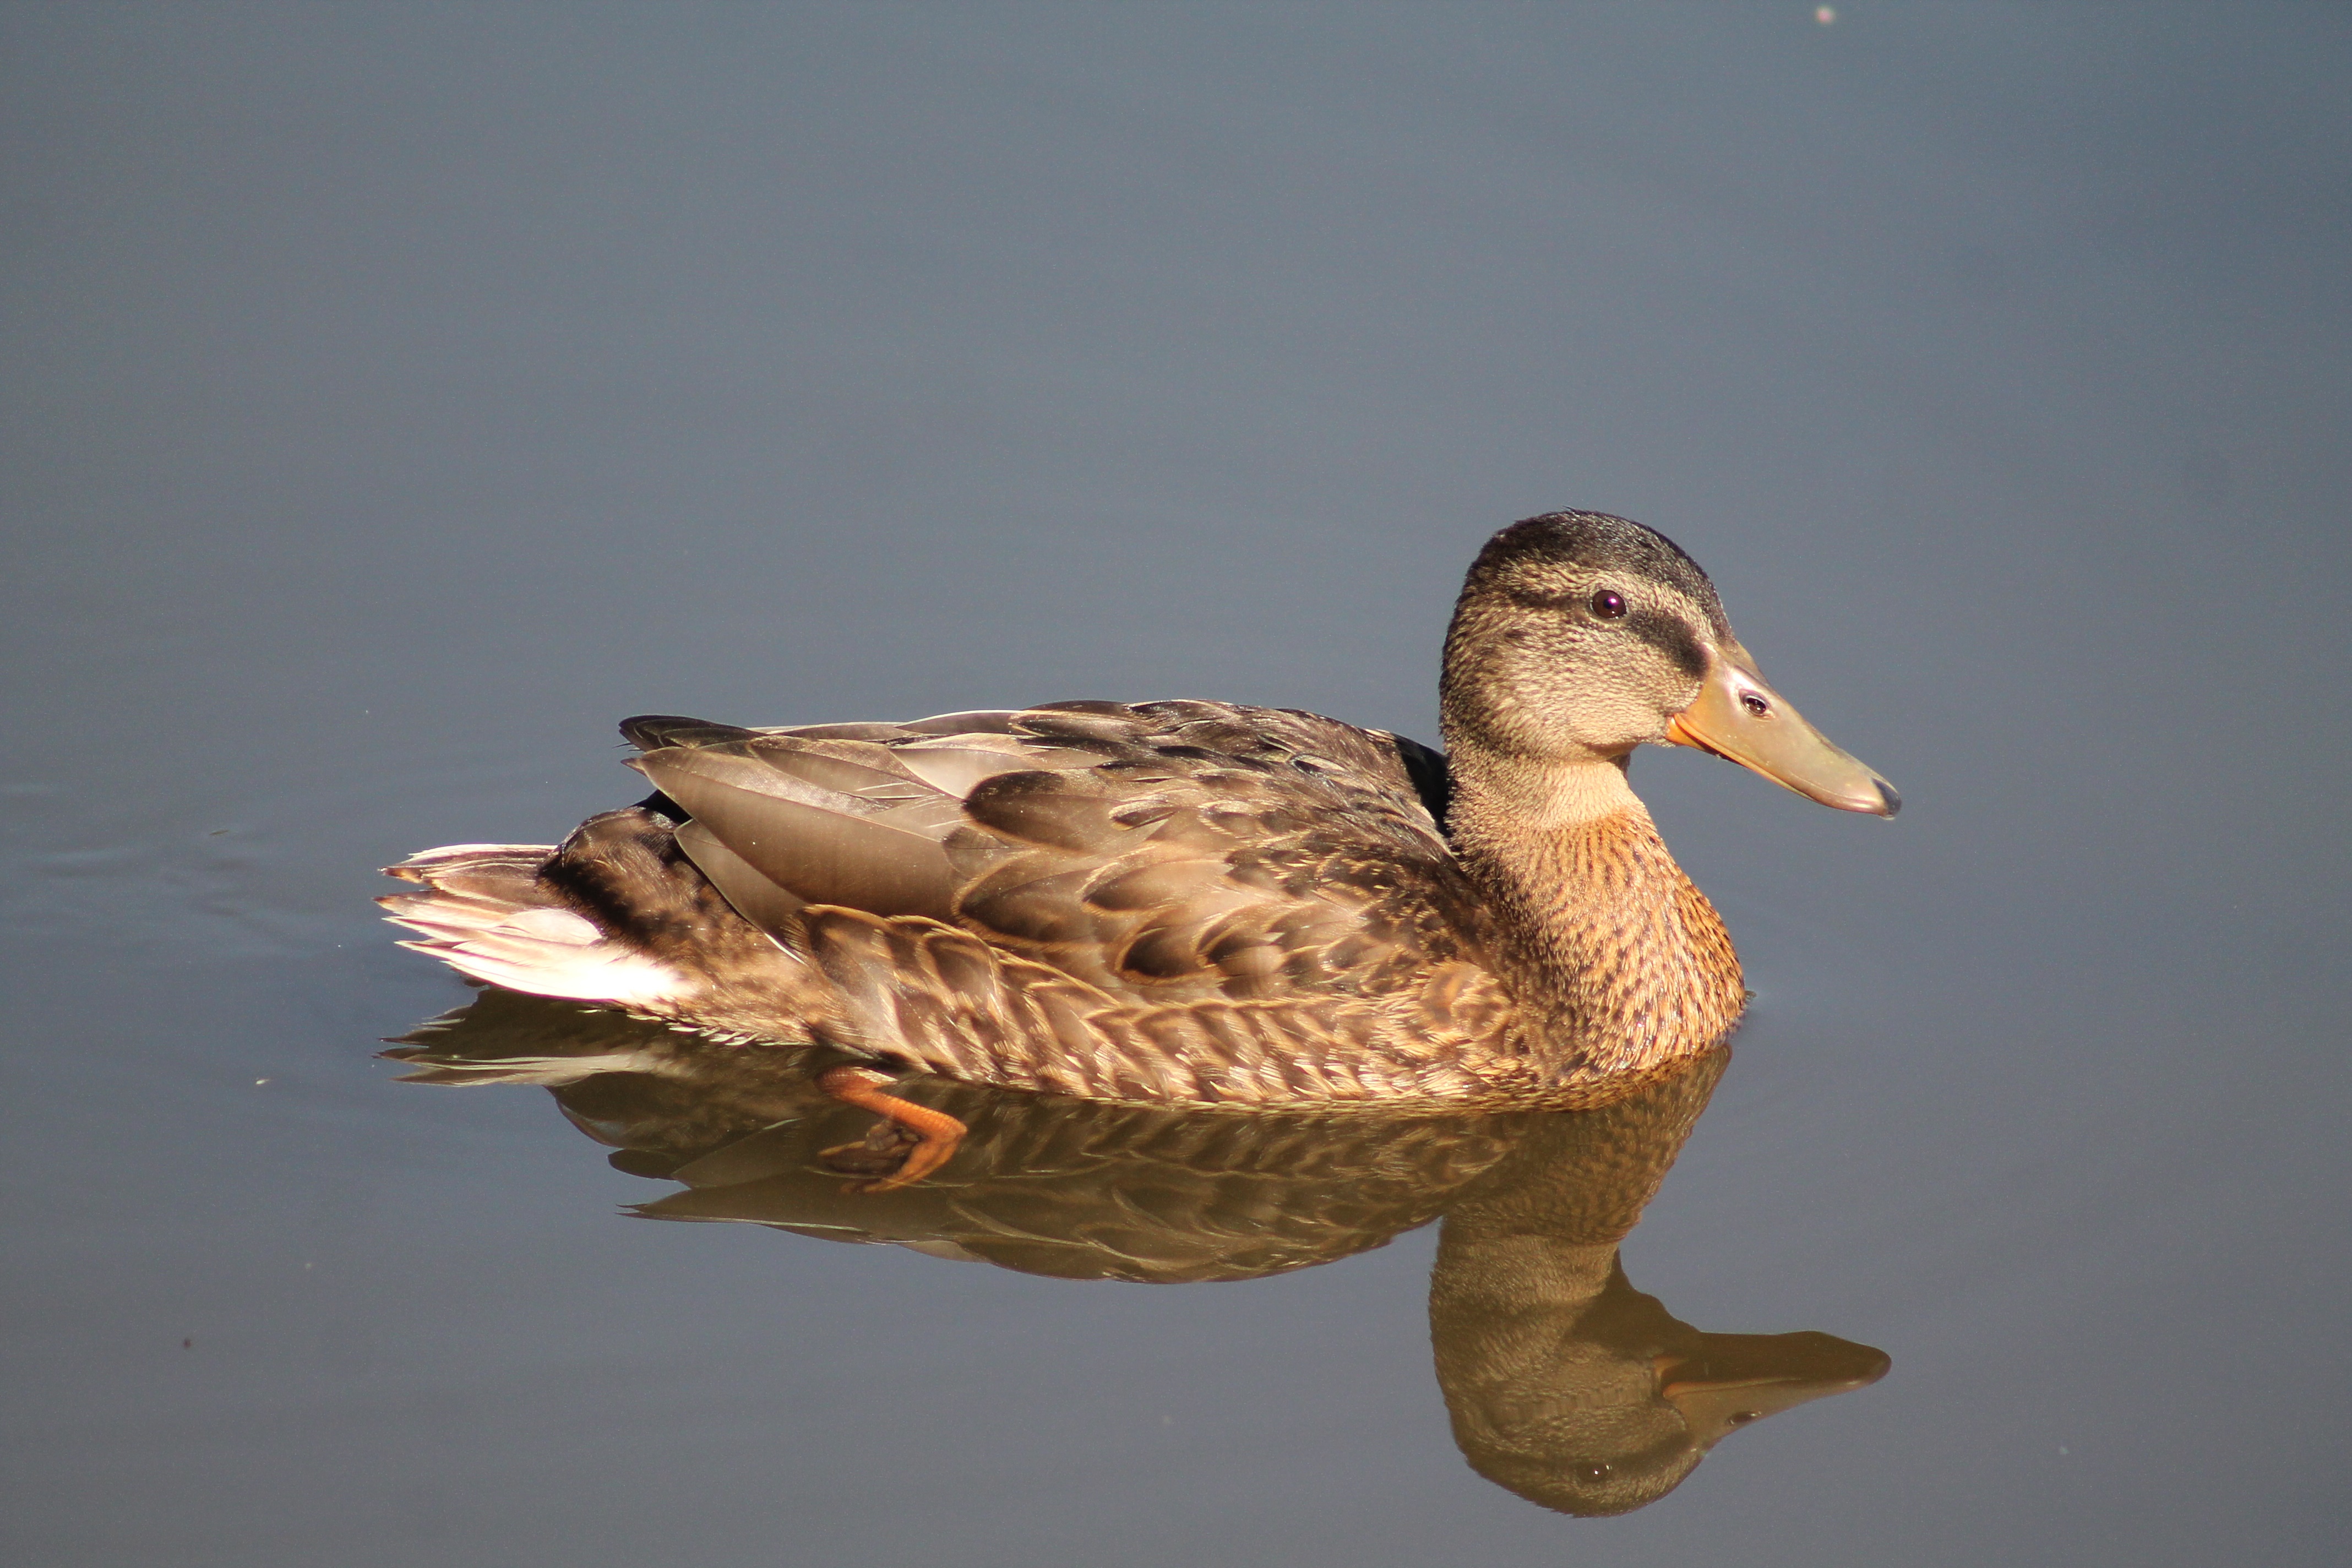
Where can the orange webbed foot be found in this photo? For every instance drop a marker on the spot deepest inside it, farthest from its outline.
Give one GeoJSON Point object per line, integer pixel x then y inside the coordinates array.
{"type": "Point", "coordinates": [928, 1138]}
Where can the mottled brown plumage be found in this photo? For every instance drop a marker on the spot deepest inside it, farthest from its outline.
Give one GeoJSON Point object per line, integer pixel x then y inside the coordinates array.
{"type": "Point", "coordinates": [1192, 903]}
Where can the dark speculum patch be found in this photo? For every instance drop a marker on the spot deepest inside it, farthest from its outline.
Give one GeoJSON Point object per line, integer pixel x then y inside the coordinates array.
{"type": "Point", "coordinates": [1431, 779]}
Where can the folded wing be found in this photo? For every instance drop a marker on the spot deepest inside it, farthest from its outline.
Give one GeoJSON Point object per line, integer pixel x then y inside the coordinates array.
{"type": "Point", "coordinates": [1157, 854]}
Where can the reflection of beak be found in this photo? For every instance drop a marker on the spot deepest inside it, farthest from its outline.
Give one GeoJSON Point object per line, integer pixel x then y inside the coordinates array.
{"type": "Point", "coordinates": [1739, 1378]}
{"type": "Point", "coordinates": [1738, 717]}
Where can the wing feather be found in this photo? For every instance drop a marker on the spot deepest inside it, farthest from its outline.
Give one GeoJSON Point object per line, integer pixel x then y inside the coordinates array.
{"type": "Point", "coordinates": [1154, 857]}
{"type": "Point", "coordinates": [823, 846]}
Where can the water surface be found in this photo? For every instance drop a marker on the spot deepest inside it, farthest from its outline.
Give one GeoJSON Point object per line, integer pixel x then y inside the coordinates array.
{"type": "Point", "coordinates": [398, 398]}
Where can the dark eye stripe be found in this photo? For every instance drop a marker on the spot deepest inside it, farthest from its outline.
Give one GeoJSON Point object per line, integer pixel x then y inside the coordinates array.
{"type": "Point", "coordinates": [1664, 632]}
{"type": "Point", "coordinates": [1672, 638]}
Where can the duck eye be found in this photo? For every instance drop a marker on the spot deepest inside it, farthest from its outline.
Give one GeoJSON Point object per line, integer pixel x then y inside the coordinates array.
{"type": "Point", "coordinates": [1608, 604]}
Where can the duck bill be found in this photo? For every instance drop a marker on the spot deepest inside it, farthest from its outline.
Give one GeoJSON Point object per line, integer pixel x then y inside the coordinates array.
{"type": "Point", "coordinates": [1739, 1378]}
{"type": "Point", "coordinates": [1740, 717]}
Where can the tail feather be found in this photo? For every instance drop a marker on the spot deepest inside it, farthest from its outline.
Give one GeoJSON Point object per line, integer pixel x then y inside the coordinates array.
{"type": "Point", "coordinates": [487, 912]}
{"type": "Point", "coordinates": [488, 866]}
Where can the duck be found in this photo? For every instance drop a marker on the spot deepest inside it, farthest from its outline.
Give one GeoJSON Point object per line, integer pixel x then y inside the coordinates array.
{"type": "Point", "coordinates": [1191, 902]}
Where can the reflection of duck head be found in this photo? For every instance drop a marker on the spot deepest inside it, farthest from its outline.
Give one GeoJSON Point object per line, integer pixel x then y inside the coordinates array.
{"type": "Point", "coordinates": [1566, 1385]}
{"type": "Point", "coordinates": [1594, 1399]}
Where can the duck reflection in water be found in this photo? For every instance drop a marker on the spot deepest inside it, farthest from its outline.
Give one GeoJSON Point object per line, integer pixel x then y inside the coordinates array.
{"type": "Point", "coordinates": [1565, 1383]}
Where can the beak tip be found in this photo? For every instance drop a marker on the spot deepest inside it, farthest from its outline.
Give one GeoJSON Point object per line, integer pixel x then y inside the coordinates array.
{"type": "Point", "coordinates": [1889, 802]}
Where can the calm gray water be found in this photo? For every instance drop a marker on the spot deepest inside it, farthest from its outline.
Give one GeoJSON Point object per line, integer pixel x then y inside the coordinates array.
{"type": "Point", "coordinates": [398, 395]}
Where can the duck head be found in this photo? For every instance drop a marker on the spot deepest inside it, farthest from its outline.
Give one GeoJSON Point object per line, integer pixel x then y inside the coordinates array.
{"type": "Point", "coordinates": [1580, 636]}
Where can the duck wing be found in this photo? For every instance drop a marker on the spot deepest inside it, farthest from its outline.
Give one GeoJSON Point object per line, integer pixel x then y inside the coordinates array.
{"type": "Point", "coordinates": [1158, 852]}
{"type": "Point", "coordinates": [1169, 900]}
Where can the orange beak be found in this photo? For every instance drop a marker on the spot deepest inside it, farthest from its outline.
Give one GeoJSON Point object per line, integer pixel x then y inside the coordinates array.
{"type": "Point", "coordinates": [1740, 717]}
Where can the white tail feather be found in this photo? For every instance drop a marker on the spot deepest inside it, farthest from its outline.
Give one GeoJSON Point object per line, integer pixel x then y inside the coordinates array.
{"type": "Point", "coordinates": [486, 915]}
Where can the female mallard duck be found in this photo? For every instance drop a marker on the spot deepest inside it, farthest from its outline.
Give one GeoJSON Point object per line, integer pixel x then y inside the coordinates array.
{"type": "Point", "coordinates": [1189, 901]}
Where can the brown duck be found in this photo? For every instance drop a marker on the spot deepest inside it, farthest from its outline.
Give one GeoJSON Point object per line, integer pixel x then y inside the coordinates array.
{"type": "Point", "coordinates": [1192, 903]}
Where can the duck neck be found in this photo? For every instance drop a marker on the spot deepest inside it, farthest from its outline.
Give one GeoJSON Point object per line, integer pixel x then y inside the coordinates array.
{"type": "Point", "coordinates": [1619, 963]}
